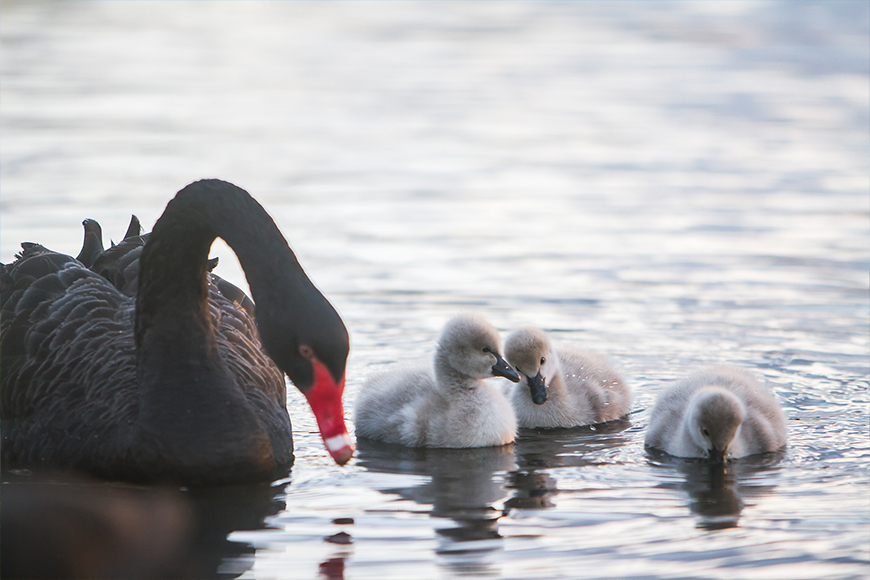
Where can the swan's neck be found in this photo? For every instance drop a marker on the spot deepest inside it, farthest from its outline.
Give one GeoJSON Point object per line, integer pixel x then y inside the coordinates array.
{"type": "Point", "coordinates": [188, 397]}
{"type": "Point", "coordinates": [172, 278]}
{"type": "Point", "coordinates": [172, 300]}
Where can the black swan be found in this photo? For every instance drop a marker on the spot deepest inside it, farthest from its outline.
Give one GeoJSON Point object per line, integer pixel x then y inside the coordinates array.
{"type": "Point", "coordinates": [142, 369]}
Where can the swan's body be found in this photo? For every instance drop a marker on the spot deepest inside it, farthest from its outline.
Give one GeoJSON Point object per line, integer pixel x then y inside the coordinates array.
{"type": "Point", "coordinates": [142, 369]}
{"type": "Point", "coordinates": [445, 406]}
{"type": "Point", "coordinates": [564, 388]}
{"type": "Point", "coordinates": [720, 413]}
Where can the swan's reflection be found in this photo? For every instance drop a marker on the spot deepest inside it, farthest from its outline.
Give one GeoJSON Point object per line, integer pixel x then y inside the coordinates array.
{"type": "Point", "coordinates": [332, 568]}
{"type": "Point", "coordinates": [60, 526]}
{"type": "Point", "coordinates": [341, 548]}
{"type": "Point", "coordinates": [221, 510]}
{"type": "Point", "coordinates": [539, 450]}
{"type": "Point", "coordinates": [716, 491]}
{"type": "Point", "coordinates": [462, 490]}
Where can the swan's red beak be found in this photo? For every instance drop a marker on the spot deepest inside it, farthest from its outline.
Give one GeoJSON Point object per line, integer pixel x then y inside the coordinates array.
{"type": "Point", "coordinates": [324, 396]}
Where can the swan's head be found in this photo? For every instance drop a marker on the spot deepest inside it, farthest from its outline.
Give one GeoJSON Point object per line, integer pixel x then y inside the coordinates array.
{"type": "Point", "coordinates": [310, 344]}
{"type": "Point", "coordinates": [528, 350]}
{"type": "Point", "coordinates": [715, 415]}
{"type": "Point", "coordinates": [470, 345]}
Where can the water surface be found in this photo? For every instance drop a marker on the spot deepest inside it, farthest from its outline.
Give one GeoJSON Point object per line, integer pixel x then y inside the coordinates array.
{"type": "Point", "coordinates": [670, 184]}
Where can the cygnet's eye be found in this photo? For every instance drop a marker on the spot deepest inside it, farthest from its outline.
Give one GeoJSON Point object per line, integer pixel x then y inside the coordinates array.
{"type": "Point", "coordinates": [705, 432]}
{"type": "Point", "coordinates": [487, 349]}
{"type": "Point", "coordinates": [543, 360]}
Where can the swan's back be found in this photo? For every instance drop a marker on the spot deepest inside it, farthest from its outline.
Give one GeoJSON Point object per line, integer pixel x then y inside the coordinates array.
{"type": "Point", "coordinates": [762, 425]}
{"type": "Point", "coordinates": [69, 360]}
{"type": "Point", "coordinates": [120, 264]}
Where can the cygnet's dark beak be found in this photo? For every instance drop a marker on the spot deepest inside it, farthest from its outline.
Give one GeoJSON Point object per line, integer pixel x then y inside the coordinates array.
{"type": "Point", "coordinates": [538, 388]}
{"type": "Point", "coordinates": [717, 456]}
{"type": "Point", "coordinates": [502, 369]}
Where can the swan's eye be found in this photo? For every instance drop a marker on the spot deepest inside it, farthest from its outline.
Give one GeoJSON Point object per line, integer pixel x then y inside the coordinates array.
{"type": "Point", "coordinates": [705, 432]}
{"type": "Point", "coordinates": [487, 349]}
{"type": "Point", "coordinates": [306, 351]}
{"type": "Point", "coordinates": [543, 360]}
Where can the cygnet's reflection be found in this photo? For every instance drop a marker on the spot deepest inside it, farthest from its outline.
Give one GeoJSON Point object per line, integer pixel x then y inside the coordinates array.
{"type": "Point", "coordinates": [717, 491]}
{"type": "Point", "coordinates": [462, 489]}
{"type": "Point", "coordinates": [539, 450]}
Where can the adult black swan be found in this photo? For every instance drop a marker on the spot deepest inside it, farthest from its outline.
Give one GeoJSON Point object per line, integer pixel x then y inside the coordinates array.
{"type": "Point", "coordinates": [149, 372]}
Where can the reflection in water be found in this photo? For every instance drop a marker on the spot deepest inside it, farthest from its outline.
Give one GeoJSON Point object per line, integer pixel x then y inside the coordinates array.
{"type": "Point", "coordinates": [532, 490]}
{"type": "Point", "coordinates": [462, 489]}
{"type": "Point", "coordinates": [538, 450]}
{"type": "Point", "coordinates": [71, 528]}
{"type": "Point", "coordinates": [715, 491]}
{"type": "Point", "coordinates": [61, 526]}
{"type": "Point", "coordinates": [332, 569]}
{"type": "Point", "coordinates": [713, 497]}
{"type": "Point", "coordinates": [220, 511]}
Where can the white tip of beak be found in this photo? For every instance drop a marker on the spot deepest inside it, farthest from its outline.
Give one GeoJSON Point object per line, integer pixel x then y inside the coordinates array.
{"type": "Point", "coordinates": [340, 447]}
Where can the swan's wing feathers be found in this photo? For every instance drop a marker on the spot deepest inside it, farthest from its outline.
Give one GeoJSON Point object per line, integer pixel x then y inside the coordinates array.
{"type": "Point", "coordinates": [28, 281]}
{"type": "Point", "coordinates": [134, 229]}
{"type": "Point", "coordinates": [53, 313]}
{"type": "Point", "coordinates": [239, 344]}
{"type": "Point", "coordinates": [92, 245]}
{"type": "Point", "coordinates": [120, 264]}
{"type": "Point", "coordinates": [233, 293]}
{"type": "Point", "coordinates": [49, 369]}
{"type": "Point", "coordinates": [35, 261]}
{"type": "Point", "coordinates": [260, 379]}
{"type": "Point", "coordinates": [29, 249]}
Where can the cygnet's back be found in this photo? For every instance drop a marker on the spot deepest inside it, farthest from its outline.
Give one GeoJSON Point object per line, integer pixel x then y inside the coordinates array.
{"type": "Point", "coordinates": [718, 413]}
{"type": "Point", "coordinates": [447, 404]}
{"type": "Point", "coordinates": [564, 388]}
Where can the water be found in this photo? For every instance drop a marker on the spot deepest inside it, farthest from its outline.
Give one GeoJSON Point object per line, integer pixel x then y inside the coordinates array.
{"type": "Point", "coordinates": [670, 184]}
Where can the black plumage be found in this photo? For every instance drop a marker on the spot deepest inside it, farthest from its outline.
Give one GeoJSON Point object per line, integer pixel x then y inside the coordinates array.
{"type": "Point", "coordinates": [148, 367]}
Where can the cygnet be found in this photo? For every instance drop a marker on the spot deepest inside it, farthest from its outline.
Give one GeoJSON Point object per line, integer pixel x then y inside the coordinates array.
{"type": "Point", "coordinates": [564, 388]}
{"type": "Point", "coordinates": [448, 404]}
{"type": "Point", "coordinates": [719, 413]}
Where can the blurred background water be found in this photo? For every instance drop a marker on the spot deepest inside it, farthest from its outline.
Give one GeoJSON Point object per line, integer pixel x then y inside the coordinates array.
{"type": "Point", "coordinates": [670, 184]}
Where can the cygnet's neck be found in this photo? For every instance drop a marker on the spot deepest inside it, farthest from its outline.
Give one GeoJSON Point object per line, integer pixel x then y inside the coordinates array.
{"type": "Point", "coordinates": [556, 387]}
{"type": "Point", "coordinates": [449, 379]}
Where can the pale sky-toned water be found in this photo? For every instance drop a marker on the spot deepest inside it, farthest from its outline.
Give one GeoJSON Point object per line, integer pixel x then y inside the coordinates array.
{"type": "Point", "coordinates": [670, 184]}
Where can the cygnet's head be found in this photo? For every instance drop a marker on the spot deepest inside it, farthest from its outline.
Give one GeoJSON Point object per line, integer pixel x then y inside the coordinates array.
{"type": "Point", "coordinates": [528, 350]}
{"type": "Point", "coordinates": [715, 416]}
{"type": "Point", "coordinates": [470, 345]}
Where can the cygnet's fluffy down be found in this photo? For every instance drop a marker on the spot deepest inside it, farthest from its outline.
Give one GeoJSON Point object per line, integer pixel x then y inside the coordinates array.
{"type": "Point", "coordinates": [719, 413]}
{"type": "Point", "coordinates": [564, 388]}
{"type": "Point", "coordinates": [447, 405]}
